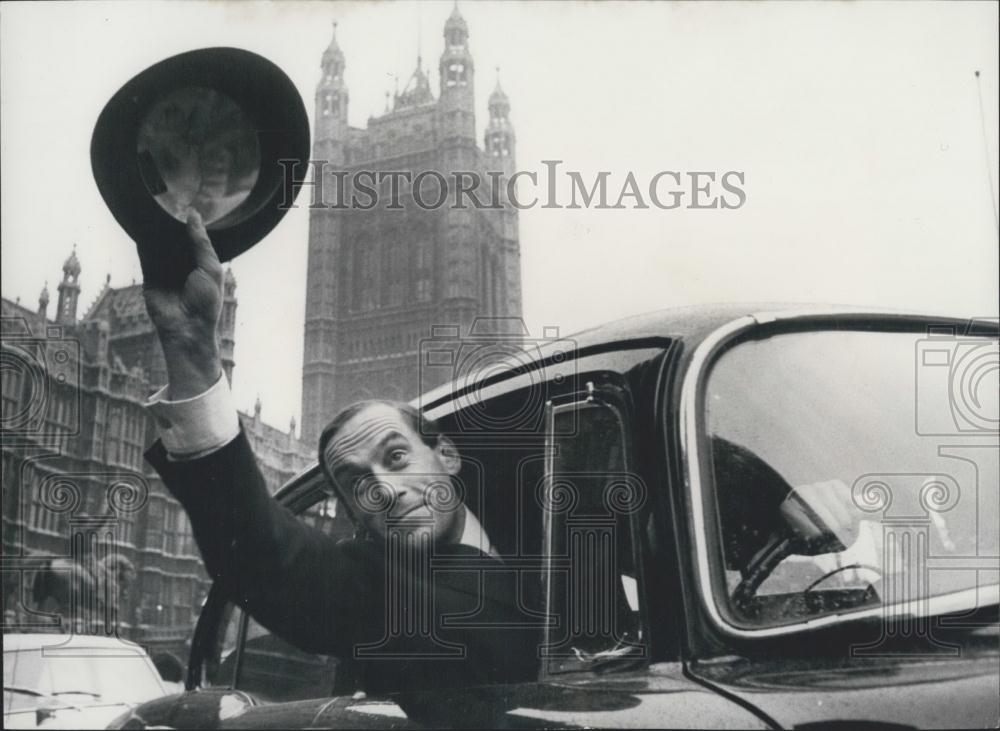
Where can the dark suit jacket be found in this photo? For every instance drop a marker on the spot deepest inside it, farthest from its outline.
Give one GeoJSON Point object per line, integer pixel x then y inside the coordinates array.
{"type": "Point", "coordinates": [329, 597]}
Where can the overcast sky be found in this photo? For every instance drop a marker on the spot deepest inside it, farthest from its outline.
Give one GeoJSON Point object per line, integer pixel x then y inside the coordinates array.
{"type": "Point", "coordinates": [857, 126]}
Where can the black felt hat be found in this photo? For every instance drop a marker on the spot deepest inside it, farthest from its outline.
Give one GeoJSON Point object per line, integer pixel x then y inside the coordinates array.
{"type": "Point", "coordinates": [239, 95]}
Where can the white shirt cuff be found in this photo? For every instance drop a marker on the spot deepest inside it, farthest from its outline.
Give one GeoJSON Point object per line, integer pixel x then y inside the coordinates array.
{"type": "Point", "coordinates": [196, 426]}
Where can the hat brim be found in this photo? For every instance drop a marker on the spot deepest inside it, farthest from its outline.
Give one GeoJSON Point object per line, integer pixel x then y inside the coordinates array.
{"type": "Point", "coordinates": [273, 106]}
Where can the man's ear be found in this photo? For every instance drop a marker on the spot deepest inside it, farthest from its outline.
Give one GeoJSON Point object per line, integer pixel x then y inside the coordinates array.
{"type": "Point", "coordinates": [448, 454]}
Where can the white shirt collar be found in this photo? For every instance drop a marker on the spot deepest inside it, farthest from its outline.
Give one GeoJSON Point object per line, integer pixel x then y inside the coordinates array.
{"type": "Point", "coordinates": [474, 535]}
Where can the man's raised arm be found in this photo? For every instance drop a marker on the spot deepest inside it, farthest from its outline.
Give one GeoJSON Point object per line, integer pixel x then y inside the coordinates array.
{"type": "Point", "coordinates": [194, 411]}
{"type": "Point", "coordinates": [293, 579]}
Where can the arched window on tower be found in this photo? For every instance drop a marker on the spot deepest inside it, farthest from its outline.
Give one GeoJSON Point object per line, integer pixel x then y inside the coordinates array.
{"type": "Point", "coordinates": [331, 101]}
{"type": "Point", "coordinates": [423, 266]}
{"type": "Point", "coordinates": [365, 275]}
{"type": "Point", "coordinates": [499, 145]}
{"type": "Point", "coordinates": [396, 267]}
{"type": "Point", "coordinates": [456, 74]}
{"type": "Point", "coordinates": [369, 277]}
{"type": "Point", "coordinates": [348, 279]}
{"type": "Point", "coordinates": [496, 287]}
{"type": "Point", "coordinates": [488, 284]}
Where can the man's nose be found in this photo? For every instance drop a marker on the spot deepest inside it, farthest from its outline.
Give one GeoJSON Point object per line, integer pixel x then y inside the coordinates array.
{"type": "Point", "coordinates": [393, 483]}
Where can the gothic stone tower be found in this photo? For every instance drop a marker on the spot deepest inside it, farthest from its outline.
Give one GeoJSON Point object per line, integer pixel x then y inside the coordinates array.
{"type": "Point", "coordinates": [378, 280]}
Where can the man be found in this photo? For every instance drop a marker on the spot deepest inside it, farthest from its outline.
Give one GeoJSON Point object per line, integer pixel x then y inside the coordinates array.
{"type": "Point", "coordinates": [393, 473]}
{"type": "Point", "coordinates": [395, 467]}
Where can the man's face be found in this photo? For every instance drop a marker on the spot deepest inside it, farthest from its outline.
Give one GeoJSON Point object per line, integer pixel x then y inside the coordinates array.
{"type": "Point", "coordinates": [392, 479]}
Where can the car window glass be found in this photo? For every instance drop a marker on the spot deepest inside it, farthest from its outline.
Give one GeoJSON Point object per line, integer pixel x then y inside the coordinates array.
{"type": "Point", "coordinates": [833, 453]}
{"type": "Point", "coordinates": [220, 665]}
{"type": "Point", "coordinates": [591, 497]}
{"type": "Point", "coordinates": [275, 670]}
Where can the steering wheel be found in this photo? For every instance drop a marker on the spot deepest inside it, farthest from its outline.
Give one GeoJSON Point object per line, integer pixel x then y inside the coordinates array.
{"type": "Point", "coordinates": [764, 562]}
{"type": "Point", "coordinates": [828, 574]}
{"type": "Point", "coordinates": [776, 550]}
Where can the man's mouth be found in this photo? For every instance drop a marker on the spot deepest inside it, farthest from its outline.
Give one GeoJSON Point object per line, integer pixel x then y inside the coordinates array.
{"type": "Point", "coordinates": [418, 513]}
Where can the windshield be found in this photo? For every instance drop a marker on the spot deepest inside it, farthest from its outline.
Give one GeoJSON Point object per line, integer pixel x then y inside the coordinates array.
{"type": "Point", "coordinates": [852, 470]}
{"type": "Point", "coordinates": [106, 679]}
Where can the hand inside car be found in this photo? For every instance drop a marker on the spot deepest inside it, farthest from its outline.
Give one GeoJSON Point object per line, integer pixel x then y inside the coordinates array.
{"type": "Point", "coordinates": [186, 313]}
{"type": "Point", "coordinates": [834, 531]}
{"type": "Point", "coordinates": [823, 514]}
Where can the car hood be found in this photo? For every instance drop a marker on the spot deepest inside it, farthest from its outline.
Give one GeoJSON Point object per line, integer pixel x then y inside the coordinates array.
{"type": "Point", "coordinates": [891, 691]}
{"type": "Point", "coordinates": [217, 709]}
{"type": "Point", "coordinates": [930, 685]}
{"type": "Point", "coordinates": [650, 696]}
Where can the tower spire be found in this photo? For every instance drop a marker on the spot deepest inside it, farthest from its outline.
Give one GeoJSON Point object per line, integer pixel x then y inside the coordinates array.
{"type": "Point", "coordinates": [333, 58]}
{"type": "Point", "coordinates": [456, 62]}
{"type": "Point", "coordinates": [418, 88]}
{"type": "Point", "coordinates": [331, 93]}
{"type": "Point", "coordinates": [69, 290]}
{"type": "Point", "coordinates": [457, 73]}
{"type": "Point", "coordinates": [43, 300]}
{"type": "Point", "coordinates": [499, 142]}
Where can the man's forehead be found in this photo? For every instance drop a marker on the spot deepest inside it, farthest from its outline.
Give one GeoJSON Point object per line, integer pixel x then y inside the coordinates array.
{"type": "Point", "coordinates": [363, 432]}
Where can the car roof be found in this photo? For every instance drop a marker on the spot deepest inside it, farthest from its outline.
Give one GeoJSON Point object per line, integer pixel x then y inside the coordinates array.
{"type": "Point", "coordinates": [691, 323]}
{"type": "Point", "coordinates": [17, 642]}
{"type": "Point", "coordinates": [672, 322]}
{"type": "Point", "coordinates": [695, 322]}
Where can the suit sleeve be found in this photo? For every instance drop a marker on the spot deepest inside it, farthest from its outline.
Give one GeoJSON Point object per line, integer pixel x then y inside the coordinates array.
{"type": "Point", "coordinates": [292, 578]}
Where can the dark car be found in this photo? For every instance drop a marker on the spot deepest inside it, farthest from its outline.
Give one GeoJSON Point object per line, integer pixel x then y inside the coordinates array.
{"type": "Point", "coordinates": [720, 517]}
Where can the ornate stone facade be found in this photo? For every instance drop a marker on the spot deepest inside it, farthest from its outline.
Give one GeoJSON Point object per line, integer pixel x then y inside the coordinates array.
{"type": "Point", "coordinates": [378, 280]}
{"type": "Point", "coordinates": [74, 433]}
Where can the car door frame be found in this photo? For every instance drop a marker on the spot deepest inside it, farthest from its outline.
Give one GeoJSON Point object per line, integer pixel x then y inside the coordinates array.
{"type": "Point", "coordinates": [615, 398]}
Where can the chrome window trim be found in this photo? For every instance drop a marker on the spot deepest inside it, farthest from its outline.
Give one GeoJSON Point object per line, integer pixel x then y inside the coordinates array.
{"type": "Point", "coordinates": [579, 401]}
{"type": "Point", "coordinates": [690, 422]}
{"type": "Point", "coordinates": [550, 420]}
